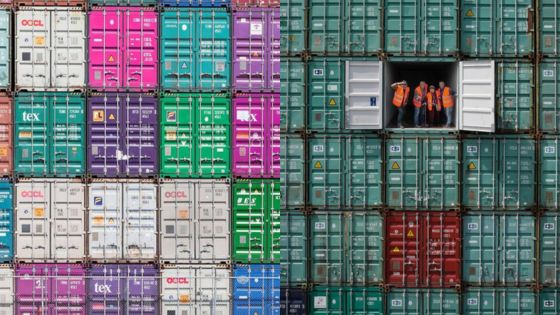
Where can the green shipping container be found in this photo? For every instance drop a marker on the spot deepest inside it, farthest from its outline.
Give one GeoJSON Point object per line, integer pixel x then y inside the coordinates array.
{"type": "Point", "coordinates": [293, 244]}
{"type": "Point", "coordinates": [550, 27]}
{"type": "Point", "coordinates": [426, 27]}
{"type": "Point", "coordinates": [499, 249]}
{"type": "Point", "coordinates": [499, 172]}
{"type": "Point", "coordinates": [514, 96]}
{"type": "Point", "coordinates": [549, 185]}
{"type": "Point", "coordinates": [497, 28]}
{"type": "Point", "coordinates": [422, 172]}
{"type": "Point", "coordinates": [343, 301]}
{"type": "Point", "coordinates": [346, 248]}
{"type": "Point", "coordinates": [292, 27]}
{"type": "Point", "coordinates": [292, 174]}
{"type": "Point", "coordinates": [256, 221]}
{"type": "Point", "coordinates": [50, 134]}
{"type": "Point", "coordinates": [549, 95]}
{"type": "Point", "coordinates": [549, 302]}
{"type": "Point", "coordinates": [345, 172]}
{"type": "Point", "coordinates": [499, 301]}
{"type": "Point", "coordinates": [422, 302]}
{"type": "Point", "coordinates": [325, 110]}
{"type": "Point", "coordinates": [292, 95]}
{"type": "Point", "coordinates": [195, 135]}
{"type": "Point", "coordinates": [344, 27]}
{"type": "Point", "coordinates": [549, 238]}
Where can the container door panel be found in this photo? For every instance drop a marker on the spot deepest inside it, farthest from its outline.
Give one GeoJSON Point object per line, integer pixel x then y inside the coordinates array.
{"type": "Point", "coordinates": [32, 49]}
{"type": "Point", "coordinates": [249, 223]}
{"type": "Point", "coordinates": [404, 172]}
{"type": "Point", "coordinates": [325, 111]}
{"type": "Point", "coordinates": [139, 215]}
{"type": "Point", "coordinates": [68, 49]}
{"type": "Point", "coordinates": [480, 168]}
{"type": "Point", "coordinates": [518, 249]}
{"type": "Point", "coordinates": [178, 56]}
{"type": "Point", "coordinates": [68, 292]}
{"type": "Point", "coordinates": [404, 249]}
{"type": "Point", "coordinates": [480, 254]}
{"type": "Point", "coordinates": [177, 229]}
{"type": "Point", "coordinates": [177, 136]}
{"type": "Point", "coordinates": [212, 222]}
{"type": "Point", "coordinates": [443, 250]}
{"type": "Point", "coordinates": [273, 152]}
{"type": "Point", "coordinates": [6, 136]}
{"type": "Point", "coordinates": [6, 225]}
{"type": "Point", "coordinates": [105, 48]}
{"type": "Point", "coordinates": [104, 125]}
{"type": "Point", "coordinates": [365, 249]}
{"type": "Point", "coordinates": [294, 258]}
{"type": "Point", "coordinates": [68, 204]}
{"type": "Point", "coordinates": [362, 172]}
{"type": "Point", "coordinates": [106, 290]}
{"type": "Point", "coordinates": [326, 21]}
{"type": "Point", "coordinates": [293, 172]}
{"type": "Point", "coordinates": [476, 96]}
{"type": "Point", "coordinates": [33, 229]}
{"type": "Point", "coordinates": [178, 289]}
{"type": "Point", "coordinates": [7, 290]}
{"type": "Point", "coordinates": [5, 48]}
{"type": "Point", "coordinates": [250, 135]}
{"type": "Point", "coordinates": [326, 167]}
{"type": "Point", "coordinates": [327, 257]}
{"type": "Point", "coordinates": [213, 290]}
{"type": "Point", "coordinates": [273, 222]}
{"type": "Point", "coordinates": [549, 249]}
{"type": "Point", "coordinates": [364, 95]}
{"type": "Point", "coordinates": [440, 187]}
{"type": "Point", "coordinates": [142, 290]}
{"type": "Point", "coordinates": [273, 51]}
{"type": "Point", "coordinates": [213, 127]}
{"type": "Point", "coordinates": [32, 289]}
{"type": "Point", "coordinates": [105, 215]}
{"type": "Point", "coordinates": [68, 148]}
{"type": "Point", "coordinates": [141, 42]}
{"type": "Point", "coordinates": [213, 63]}
{"type": "Point", "coordinates": [32, 134]}
{"type": "Point", "coordinates": [250, 50]}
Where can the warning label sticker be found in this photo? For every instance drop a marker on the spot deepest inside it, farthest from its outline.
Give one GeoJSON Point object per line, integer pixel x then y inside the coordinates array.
{"type": "Point", "coordinates": [471, 166]}
{"type": "Point", "coordinates": [395, 166]}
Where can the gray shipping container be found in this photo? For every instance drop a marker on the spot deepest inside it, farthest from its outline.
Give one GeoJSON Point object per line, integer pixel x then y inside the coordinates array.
{"type": "Point", "coordinates": [6, 290]}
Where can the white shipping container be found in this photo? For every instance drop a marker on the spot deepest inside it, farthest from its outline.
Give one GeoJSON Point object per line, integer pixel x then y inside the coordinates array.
{"type": "Point", "coordinates": [6, 290]}
{"type": "Point", "coordinates": [50, 220]}
{"type": "Point", "coordinates": [122, 221]}
{"type": "Point", "coordinates": [195, 221]}
{"type": "Point", "coordinates": [50, 48]}
{"type": "Point", "coordinates": [195, 290]}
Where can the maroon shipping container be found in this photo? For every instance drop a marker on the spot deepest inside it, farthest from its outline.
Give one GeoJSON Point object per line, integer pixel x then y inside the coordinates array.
{"type": "Point", "coordinates": [50, 289]}
{"type": "Point", "coordinates": [256, 135]}
{"type": "Point", "coordinates": [6, 144]}
{"type": "Point", "coordinates": [122, 135]}
{"type": "Point", "coordinates": [256, 50]}
{"type": "Point", "coordinates": [423, 249]}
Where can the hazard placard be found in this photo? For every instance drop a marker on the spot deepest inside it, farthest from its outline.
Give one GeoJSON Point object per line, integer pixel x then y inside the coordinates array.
{"type": "Point", "coordinates": [395, 166]}
{"type": "Point", "coordinates": [396, 249]}
{"type": "Point", "coordinates": [410, 233]}
{"type": "Point", "coordinates": [332, 102]}
{"type": "Point", "coordinates": [471, 166]}
{"type": "Point", "coordinates": [318, 165]}
{"type": "Point", "coordinates": [111, 58]}
{"type": "Point", "coordinates": [470, 13]}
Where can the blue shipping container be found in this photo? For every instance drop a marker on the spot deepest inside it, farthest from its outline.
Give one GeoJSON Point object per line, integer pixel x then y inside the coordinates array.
{"type": "Point", "coordinates": [5, 49]}
{"type": "Point", "coordinates": [256, 289]}
{"type": "Point", "coordinates": [6, 222]}
{"type": "Point", "coordinates": [195, 3]}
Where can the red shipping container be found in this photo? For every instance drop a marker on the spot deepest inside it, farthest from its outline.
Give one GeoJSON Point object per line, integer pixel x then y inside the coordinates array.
{"type": "Point", "coordinates": [423, 249]}
{"type": "Point", "coordinates": [5, 136]}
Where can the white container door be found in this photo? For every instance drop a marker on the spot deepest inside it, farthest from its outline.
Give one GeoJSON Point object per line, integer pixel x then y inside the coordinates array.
{"type": "Point", "coordinates": [476, 96]}
{"type": "Point", "coordinates": [6, 291]}
{"type": "Point", "coordinates": [213, 289]}
{"type": "Point", "coordinates": [364, 95]}
{"type": "Point", "coordinates": [177, 228]}
{"type": "Point", "coordinates": [178, 291]}
{"type": "Point", "coordinates": [33, 48]}
{"type": "Point", "coordinates": [68, 204]}
{"type": "Point", "coordinates": [32, 223]}
{"type": "Point", "coordinates": [140, 220]}
{"type": "Point", "coordinates": [68, 48]}
{"type": "Point", "coordinates": [212, 222]}
{"type": "Point", "coordinates": [105, 221]}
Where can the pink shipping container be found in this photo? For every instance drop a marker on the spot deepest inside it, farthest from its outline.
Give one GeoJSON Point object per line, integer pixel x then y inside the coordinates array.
{"type": "Point", "coordinates": [256, 135]}
{"type": "Point", "coordinates": [255, 3]}
{"type": "Point", "coordinates": [123, 43]}
{"type": "Point", "coordinates": [256, 50]}
{"type": "Point", "coordinates": [50, 289]}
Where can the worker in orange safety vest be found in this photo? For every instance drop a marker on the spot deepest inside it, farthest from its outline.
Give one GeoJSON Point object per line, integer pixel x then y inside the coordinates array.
{"type": "Point", "coordinates": [434, 108]}
{"type": "Point", "coordinates": [446, 99]}
{"type": "Point", "coordinates": [419, 101]}
{"type": "Point", "coordinates": [400, 99]}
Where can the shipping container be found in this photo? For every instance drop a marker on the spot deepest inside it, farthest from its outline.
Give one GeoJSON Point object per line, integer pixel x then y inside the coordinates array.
{"type": "Point", "coordinates": [195, 289]}
{"type": "Point", "coordinates": [6, 227]}
{"type": "Point", "coordinates": [195, 49]}
{"type": "Point", "coordinates": [50, 220]}
{"type": "Point", "coordinates": [6, 141]}
{"type": "Point", "coordinates": [256, 221]}
{"type": "Point", "coordinates": [549, 95]}
{"type": "Point", "coordinates": [423, 302]}
{"type": "Point", "coordinates": [499, 249]}
{"type": "Point", "coordinates": [123, 289]}
{"type": "Point", "coordinates": [345, 171]}
{"type": "Point", "coordinates": [497, 28]}
{"type": "Point", "coordinates": [428, 27]}
{"type": "Point", "coordinates": [293, 301]}
{"type": "Point", "coordinates": [50, 289]}
{"type": "Point", "coordinates": [549, 36]}
{"type": "Point", "coordinates": [50, 48]}
{"type": "Point", "coordinates": [256, 50]}
{"type": "Point", "coordinates": [549, 302]}
{"type": "Point", "coordinates": [549, 247]}
{"type": "Point", "coordinates": [256, 135]}
{"type": "Point", "coordinates": [549, 173]}
{"type": "Point", "coordinates": [423, 249]}
{"type": "Point", "coordinates": [346, 248]}
{"type": "Point", "coordinates": [109, 3]}
{"type": "Point", "coordinates": [355, 94]}
{"type": "Point", "coordinates": [195, 135]}
{"type": "Point", "coordinates": [499, 301]}
{"type": "Point", "coordinates": [294, 258]}
{"type": "Point", "coordinates": [122, 135]}
{"type": "Point", "coordinates": [241, 4]}
{"type": "Point", "coordinates": [50, 134]}
{"type": "Point", "coordinates": [292, 95]}
{"type": "Point", "coordinates": [292, 175]}
{"type": "Point", "coordinates": [50, 3]}
{"type": "Point", "coordinates": [123, 48]}
{"type": "Point", "coordinates": [514, 96]}
{"type": "Point", "coordinates": [422, 172]}
{"type": "Point", "coordinates": [5, 47]}
{"type": "Point", "coordinates": [122, 221]}
{"type": "Point", "coordinates": [7, 292]}
{"type": "Point", "coordinates": [293, 19]}
{"type": "Point", "coordinates": [194, 221]}
{"type": "Point", "coordinates": [499, 172]}
{"type": "Point", "coordinates": [195, 3]}
{"type": "Point", "coordinates": [342, 301]}
{"type": "Point", "coordinates": [256, 289]}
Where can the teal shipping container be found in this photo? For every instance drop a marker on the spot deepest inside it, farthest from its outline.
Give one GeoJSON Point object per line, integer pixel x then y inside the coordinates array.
{"type": "Point", "coordinates": [422, 172]}
{"type": "Point", "coordinates": [549, 303]}
{"type": "Point", "coordinates": [550, 27]}
{"type": "Point", "coordinates": [499, 172]}
{"type": "Point", "coordinates": [549, 247]}
{"type": "Point", "coordinates": [344, 301]}
{"type": "Point", "coordinates": [293, 27]}
{"type": "Point", "coordinates": [549, 177]}
{"type": "Point", "coordinates": [292, 94]}
{"type": "Point", "coordinates": [514, 96]}
{"type": "Point", "coordinates": [346, 248]}
{"type": "Point", "coordinates": [345, 171]}
{"type": "Point", "coordinates": [344, 27]}
{"type": "Point", "coordinates": [5, 48]}
{"type": "Point", "coordinates": [421, 28]}
{"type": "Point", "coordinates": [422, 302]}
{"type": "Point", "coordinates": [292, 174]}
{"type": "Point", "coordinates": [499, 301]}
{"type": "Point", "coordinates": [549, 95]}
{"type": "Point", "coordinates": [499, 249]}
{"type": "Point", "coordinates": [293, 248]}
{"type": "Point", "coordinates": [497, 28]}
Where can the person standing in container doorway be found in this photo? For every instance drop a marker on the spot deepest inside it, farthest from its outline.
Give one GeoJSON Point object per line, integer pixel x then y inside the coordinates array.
{"type": "Point", "coordinates": [434, 108]}
{"type": "Point", "coordinates": [419, 101]}
{"type": "Point", "coordinates": [400, 99]}
{"type": "Point", "coordinates": [445, 98]}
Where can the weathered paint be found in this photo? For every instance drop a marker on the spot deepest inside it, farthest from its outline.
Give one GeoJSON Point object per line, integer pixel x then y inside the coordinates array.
{"type": "Point", "coordinates": [499, 301]}
{"type": "Point", "coordinates": [292, 95]}
{"type": "Point", "coordinates": [293, 301]}
{"type": "Point", "coordinates": [423, 302]}
{"type": "Point", "coordinates": [549, 302]}
{"type": "Point", "coordinates": [6, 141]}
{"type": "Point", "coordinates": [549, 16]}
{"type": "Point", "coordinates": [515, 110]}
{"type": "Point", "coordinates": [549, 247]}
{"type": "Point", "coordinates": [7, 289]}
{"type": "Point", "coordinates": [549, 173]}
{"type": "Point", "coordinates": [549, 96]}
{"type": "Point", "coordinates": [346, 300]}
{"type": "Point", "coordinates": [293, 24]}
{"type": "Point", "coordinates": [293, 248]}
{"type": "Point", "coordinates": [5, 48]}
{"type": "Point", "coordinates": [292, 175]}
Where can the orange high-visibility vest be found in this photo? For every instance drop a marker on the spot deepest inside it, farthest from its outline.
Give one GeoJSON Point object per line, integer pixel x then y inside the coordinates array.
{"type": "Point", "coordinates": [445, 100]}
{"type": "Point", "coordinates": [401, 95]}
{"type": "Point", "coordinates": [431, 98]}
{"type": "Point", "coordinates": [417, 100]}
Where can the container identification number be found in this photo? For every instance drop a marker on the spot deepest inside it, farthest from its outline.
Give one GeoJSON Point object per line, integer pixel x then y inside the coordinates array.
{"type": "Point", "coordinates": [549, 150]}
{"type": "Point", "coordinates": [318, 72]}
{"type": "Point", "coordinates": [320, 226]}
{"type": "Point", "coordinates": [472, 226]}
{"type": "Point", "coordinates": [318, 148]}
{"type": "Point", "coordinates": [548, 303]}
{"type": "Point", "coordinates": [395, 149]}
{"type": "Point", "coordinates": [472, 149]}
{"type": "Point", "coordinates": [549, 226]}
{"type": "Point", "coordinates": [548, 73]}
{"type": "Point", "coordinates": [472, 301]}
{"type": "Point", "coordinates": [396, 303]}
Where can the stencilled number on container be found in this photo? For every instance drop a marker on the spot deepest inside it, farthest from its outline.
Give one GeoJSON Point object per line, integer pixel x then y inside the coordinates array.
{"type": "Point", "coordinates": [320, 226]}
{"type": "Point", "coordinates": [472, 149]}
{"type": "Point", "coordinates": [395, 148]}
{"type": "Point", "coordinates": [548, 73]}
{"type": "Point", "coordinates": [548, 226]}
{"type": "Point", "coordinates": [396, 303]}
{"type": "Point", "coordinates": [549, 149]}
{"type": "Point", "coordinates": [472, 301]}
{"type": "Point", "coordinates": [318, 72]}
{"type": "Point", "coordinates": [472, 226]}
{"type": "Point", "coordinates": [548, 303]}
{"type": "Point", "coordinates": [318, 148]}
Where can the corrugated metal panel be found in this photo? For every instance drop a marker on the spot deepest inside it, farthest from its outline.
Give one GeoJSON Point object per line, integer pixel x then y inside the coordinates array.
{"type": "Point", "coordinates": [6, 290]}
{"type": "Point", "coordinates": [293, 301]}
{"type": "Point", "coordinates": [292, 176]}
{"type": "Point", "coordinates": [240, 4]}
{"type": "Point", "coordinates": [325, 95]}
{"type": "Point", "coordinates": [293, 23]}
{"type": "Point", "coordinates": [515, 108]}
{"type": "Point", "coordinates": [499, 249]}
{"type": "Point", "coordinates": [195, 289]}
{"type": "Point", "coordinates": [499, 301]}
{"type": "Point", "coordinates": [122, 2]}
{"type": "Point", "coordinates": [499, 172]}
{"type": "Point", "coordinates": [256, 289]}
{"type": "Point", "coordinates": [342, 301]}
{"type": "Point", "coordinates": [195, 135]}
{"type": "Point", "coordinates": [345, 171]}
{"type": "Point", "coordinates": [195, 49]}
{"type": "Point", "coordinates": [195, 3]}
{"type": "Point", "coordinates": [6, 144]}
{"type": "Point", "coordinates": [549, 303]}
{"type": "Point", "coordinates": [194, 221]}
{"type": "Point", "coordinates": [50, 49]}
{"type": "Point", "coordinates": [293, 248]}
{"type": "Point", "coordinates": [422, 172]}
{"type": "Point", "coordinates": [423, 302]}
{"type": "Point", "coordinates": [346, 248]}
{"type": "Point", "coordinates": [58, 3]}
{"type": "Point", "coordinates": [549, 95]}
{"type": "Point", "coordinates": [6, 225]}
{"type": "Point", "coordinates": [139, 221]}
{"type": "Point", "coordinates": [292, 94]}
{"type": "Point", "coordinates": [549, 15]}
{"type": "Point", "coordinates": [5, 48]}
{"type": "Point", "coordinates": [549, 247]}
{"type": "Point", "coordinates": [50, 220]}
{"type": "Point", "coordinates": [549, 177]}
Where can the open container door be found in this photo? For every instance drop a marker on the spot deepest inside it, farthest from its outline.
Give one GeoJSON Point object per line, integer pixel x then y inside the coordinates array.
{"type": "Point", "coordinates": [476, 96]}
{"type": "Point", "coordinates": [363, 95]}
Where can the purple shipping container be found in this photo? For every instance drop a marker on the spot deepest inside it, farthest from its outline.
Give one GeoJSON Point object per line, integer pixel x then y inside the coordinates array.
{"type": "Point", "coordinates": [256, 135]}
{"type": "Point", "coordinates": [122, 135]}
{"type": "Point", "coordinates": [123, 289]}
{"type": "Point", "coordinates": [256, 50]}
{"type": "Point", "coordinates": [50, 289]}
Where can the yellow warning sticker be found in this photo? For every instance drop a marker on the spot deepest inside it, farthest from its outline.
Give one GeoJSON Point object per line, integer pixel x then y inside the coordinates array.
{"type": "Point", "coordinates": [39, 40]}
{"type": "Point", "coordinates": [470, 13]}
{"type": "Point", "coordinates": [332, 102]}
{"type": "Point", "coordinates": [395, 166]}
{"type": "Point", "coordinates": [25, 134]}
{"type": "Point", "coordinates": [38, 212]}
{"type": "Point", "coordinates": [111, 58]}
{"type": "Point", "coordinates": [184, 298]}
{"type": "Point", "coordinates": [171, 135]}
{"type": "Point", "coordinates": [410, 233]}
{"type": "Point", "coordinates": [3, 151]}
{"type": "Point", "coordinates": [318, 165]}
{"type": "Point", "coordinates": [98, 115]}
{"type": "Point", "coordinates": [183, 214]}
{"type": "Point", "coordinates": [98, 220]}
{"type": "Point", "coordinates": [471, 166]}
{"type": "Point", "coordinates": [111, 117]}
{"type": "Point", "coordinates": [396, 249]}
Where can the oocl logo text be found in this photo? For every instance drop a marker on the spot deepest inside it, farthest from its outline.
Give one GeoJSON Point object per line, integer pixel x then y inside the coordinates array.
{"type": "Point", "coordinates": [31, 193]}
{"type": "Point", "coordinates": [32, 23]}
{"type": "Point", "coordinates": [175, 194]}
{"type": "Point", "coordinates": [177, 280]}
